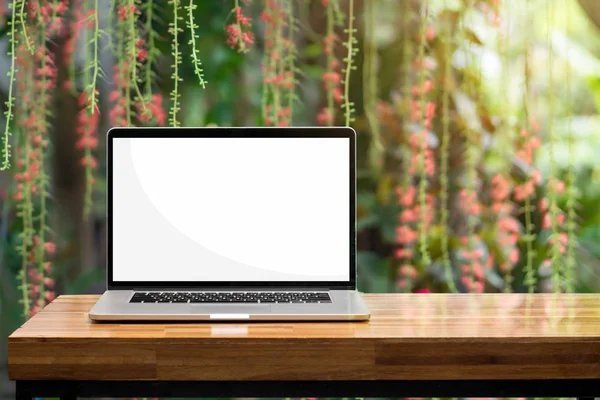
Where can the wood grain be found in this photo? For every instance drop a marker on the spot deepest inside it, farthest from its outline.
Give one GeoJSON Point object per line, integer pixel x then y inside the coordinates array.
{"type": "Point", "coordinates": [425, 336]}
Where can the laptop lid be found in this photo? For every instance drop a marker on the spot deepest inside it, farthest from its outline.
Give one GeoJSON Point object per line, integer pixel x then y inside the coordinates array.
{"type": "Point", "coordinates": [231, 208]}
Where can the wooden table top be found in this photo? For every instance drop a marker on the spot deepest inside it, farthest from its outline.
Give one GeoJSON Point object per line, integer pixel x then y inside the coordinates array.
{"type": "Point", "coordinates": [420, 336]}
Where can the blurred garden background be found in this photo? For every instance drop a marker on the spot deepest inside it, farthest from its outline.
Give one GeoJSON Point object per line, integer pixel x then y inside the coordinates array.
{"type": "Point", "coordinates": [477, 120]}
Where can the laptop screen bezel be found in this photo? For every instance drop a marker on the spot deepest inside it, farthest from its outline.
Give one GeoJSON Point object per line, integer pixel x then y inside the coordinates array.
{"type": "Point", "coordinates": [297, 132]}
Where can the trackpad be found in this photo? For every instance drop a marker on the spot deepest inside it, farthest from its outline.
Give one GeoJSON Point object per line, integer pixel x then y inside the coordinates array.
{"type": "Point", "coordinates": [229, 309]}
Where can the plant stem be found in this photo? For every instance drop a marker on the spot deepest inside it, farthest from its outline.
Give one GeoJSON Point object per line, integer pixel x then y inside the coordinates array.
{"type": "Point", "coordinates": [43, 179]}
{"type": "Point", "coordinates": [370, 68]}
{"type": "Point", "coordinates": [151, 49]}
{"type": "Point", "coordinates": [570, 184]}
{"type": "Point", "coordinates": [349, 60]}
{"type": "Point", "coordinates": [278, 67]}
{"type": "Point", "coordinates": [176, 62]}
{"type": "Point", "coordinates": [194, 54]}
{"type": "Point", "coordinates": [505, 139]}
{"type": "Point", "coordinates": [445, 149]}
{"type": "Point", "coordinates": [426, 259]}
{"type": "Point", "coordinates": [241, 44]}
{"type": "Point", "coordinates": [10, 99]}
{"type": "Point", "coordinates": [530, 278]}
{"type": "Point", "coordinates": [554, 237]}
{"type": "Point", "coordinates": [95, 67]}
{"type": "Point", "coordinates": [27, 217]}
{"type": "Point", "coordinates": [24, 27]}
{"type": "Point", "coordinates": [133, 56]}
{"type": "Point", "coordinates": [330, 59]}
{"type": "Point", "coordinates": [530, 236]}
{"type": "Point", "coordinates": [290, 58]}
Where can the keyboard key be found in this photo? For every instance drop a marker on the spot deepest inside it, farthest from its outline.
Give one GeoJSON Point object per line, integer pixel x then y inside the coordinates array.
{"type": "Point", "coordinates": [231, 297]}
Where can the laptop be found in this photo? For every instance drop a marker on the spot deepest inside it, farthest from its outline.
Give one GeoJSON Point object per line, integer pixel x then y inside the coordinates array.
{"type": "Point", "coordinates": [231, 224]}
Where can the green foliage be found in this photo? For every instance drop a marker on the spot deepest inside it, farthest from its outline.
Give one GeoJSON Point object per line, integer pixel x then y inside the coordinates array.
{"type": "Point", "coordinates": [472, 137]}
{"type": "Point", "coordinates": [10, 98]}
{"type": "Point", "coordinates": [192, 26]}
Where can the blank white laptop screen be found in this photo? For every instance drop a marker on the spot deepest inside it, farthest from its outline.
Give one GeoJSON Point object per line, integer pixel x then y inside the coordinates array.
{"type": "Point", "coordinates": [231, 209]}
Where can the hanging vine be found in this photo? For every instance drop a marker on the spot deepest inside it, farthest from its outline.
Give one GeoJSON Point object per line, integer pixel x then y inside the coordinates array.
{"type": "Point", "coordinates": [11, 79]}
{"type": "Point", "coordinates": [239, 35]}
{"type": "Point", "coordinates": [47, 75]}
{"type": "Point", "coordinates": [557, 240]}
{"type": "Point", "coordinates": [351, 48]}
{"type": "Point", "coordinates": [151, 50]}
{"type": "Point", "coordinates": [370, 71]}
{"type": "Point", "coordinates": [192, 26]}
{"type": "Point", "coordinates": [506, 227]}
{"type": "Point", "coordinates": [426, 111]}
{"type": "Point", "coordinates": [23, 176]}
{"type": "Point", "coordinates": [444, 154]}
{"type": "Point", "coordinates": [278, 63]}
{"type": "Point", "coordinates": [571, 190]}
{"type": "Point", "coordinates": [91, 89]}
{"type": "Point", "coordinates": [32, 192]}
{"type": "Point", "coordinates": [136, 55]}
{"type": "Point", "coordinates": [75, 29]}
{"type": "Point", "coordinates": [120, 113]}
{"type": "Point", "coordinates": [28, 41]}
{"type": "Point", "coordinates": [526, 145]}
{"type": "Point", "coordinates": [89, 113]}
{"type": "Point", "coordinates": [290, 67]}
{"type": "Point", "coordinates": [405, 234]}
{"type": "Point", "coordinates": [174, 30]}
{"type": "Point", "coordinates": [331, 77]}
{"type": "Point", "coordinates": [473, 253]}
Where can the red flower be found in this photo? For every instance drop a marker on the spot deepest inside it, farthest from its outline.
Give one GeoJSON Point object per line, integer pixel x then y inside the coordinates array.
{"type": "Point", "coordinates": [337, 95]}
{"type": "Point", "coordinates": [34, 310]}
{"type": "Point", "coordinates": [124, 11]}
{"type": "Point", "coordinates": [91, 162]}
{"type": "Point", "coordinates": [50, 296]}
{"type": "Point", "coordinates": [248, 37]}
{"type": "Point", "coordinates": [114, 95]}
{"type": "Point", "coordinates": [142, 54]}
{"type": "Point", "coordinates": [237, 35]}
{"type": "Point", "coordinates": [325, 117]}
{"type": "Point", "coordinates": [50, 247]}
{"type": "Point", "coordinates": [47, 267]}
{"type": "Point", "coordinates": [62, 7]}
{"type": "Point", "coordinates": [430, 34]}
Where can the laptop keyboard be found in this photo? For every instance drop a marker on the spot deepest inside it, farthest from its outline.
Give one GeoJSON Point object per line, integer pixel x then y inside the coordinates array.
{"type": "Point", "coordinates": [231, 297]}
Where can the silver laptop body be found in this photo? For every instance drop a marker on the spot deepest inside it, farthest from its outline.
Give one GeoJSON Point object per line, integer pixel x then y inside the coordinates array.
{"type": "Point", "coordinates": [231, 224]}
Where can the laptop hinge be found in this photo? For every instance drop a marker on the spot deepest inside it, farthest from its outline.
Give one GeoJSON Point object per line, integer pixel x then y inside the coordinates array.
{"type": "Point", "coordinates": [230, 289]}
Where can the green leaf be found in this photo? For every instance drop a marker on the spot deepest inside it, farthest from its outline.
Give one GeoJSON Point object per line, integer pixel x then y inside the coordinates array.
{"type": "Point", "coordinates": [85, 280]}
{"type": "Point", "coordinates": [313, 71]}
{"type": "Point", "coordinates": [366, 200]}
{"type": "Point", "coordinates": [313, 50]}
{"type": "Point", "coordinates": [372, 272]}
{"type": "Point", "coordinates": [368, 221]}
{"type": "Point", "coordinates": [594, 85]}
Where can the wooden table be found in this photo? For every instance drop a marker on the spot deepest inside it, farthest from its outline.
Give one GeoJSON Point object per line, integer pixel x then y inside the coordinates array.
{"type": "Point", "coordinates": [426, 345]}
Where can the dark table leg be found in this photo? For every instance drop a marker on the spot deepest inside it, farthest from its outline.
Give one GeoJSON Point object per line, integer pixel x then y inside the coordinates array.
{"type": "Point", "coordinates": [71, 390]}
{"type": "Point", "coordinates": [21, 393]}
{"type": "Point", "coordinates": [28, 391]}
